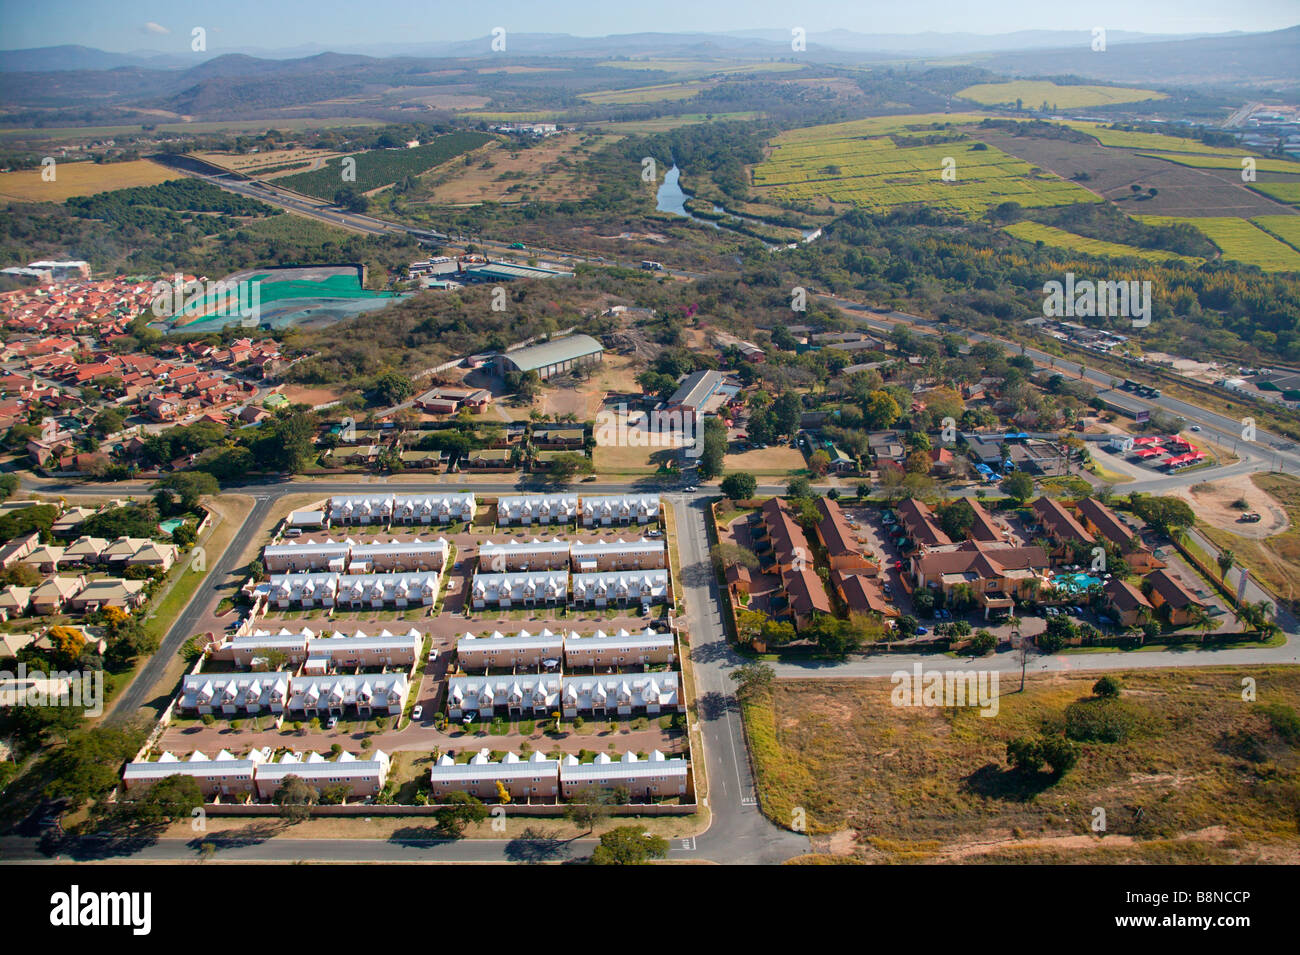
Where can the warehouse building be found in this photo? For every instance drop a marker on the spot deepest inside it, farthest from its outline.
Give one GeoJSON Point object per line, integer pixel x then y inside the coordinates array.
{"type": "Point", "coordinates": [552, 358]}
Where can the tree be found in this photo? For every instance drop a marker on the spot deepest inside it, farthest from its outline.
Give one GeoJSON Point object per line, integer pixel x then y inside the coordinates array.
{"type": "Point", "coordinates": [392, 388]}
{"type": "Point", "coordinates": [68, 642]}
{"type": "Point", "coordinates": [983, 643]}
{"type": "Point", "coordinates": [1018, 486]}
{"type": "Point", "coordinates": [725, 554]}
{"type": "Point", "coordinates": [800, 489]}
{"type": "Point", "coordinates": [1059, 753]}
{"type": "Point", "coordinates": [1108, 688]}
{"type": "Point", "coordinates": [880, 410]}
{"type": "Point", "coordinates": [628, 845]}
{"type": "Point", "coordinates": [1225, 559]}
{"type": "Point", "coordinates": [714, 449]}
{"type": "Point", "coordinates": [460, 810]}
{"type": "Point", "coordinates": [753, 678]}
{"type": "Point", "coordinates": [589, 808]}
{"type": "Point", "coordinates": [569, 464]}
{"type": "Point", "coordinates": [168, 800]}
{"type": "Point", "coordinates": [788, 409]}
{"type": "Point", "coordinates": [181, 490]}
{"type": "Point", "coordinates": [1025, 753]}
{"type": "Point", "coordinates": [295, 799]}
{"type": "Point", "coordinates": [740, 486]}
{"type": "Point", "coordinates": [957, 519]}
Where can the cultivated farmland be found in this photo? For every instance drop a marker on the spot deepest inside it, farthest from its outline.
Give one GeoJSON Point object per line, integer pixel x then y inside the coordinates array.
{"type": "Point", "coordinates": [647, 94]}
{"type": "Point", "coordinates": [1286, 228]}
{"type": "Point", "coordinates": [81, 179]}
{"type": "Point", "coordinates": [1228, 162]}
{"type": "Point", "coordinates": [857, 163]}
{"type": "Point", "coordinates": [1060, 239]}
{"type": "Point", "coordinates": [1032, 93]}
{"type": "Point", "coordinates": [382, 167]}
{"type": "Point", "coordinates": [1241, 240]}
{"type": "Point", "coordinates": [1288, 192]}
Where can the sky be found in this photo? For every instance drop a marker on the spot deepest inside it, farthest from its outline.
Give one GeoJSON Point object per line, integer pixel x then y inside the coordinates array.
{"type": "Point", "coordinates": [166, 25]}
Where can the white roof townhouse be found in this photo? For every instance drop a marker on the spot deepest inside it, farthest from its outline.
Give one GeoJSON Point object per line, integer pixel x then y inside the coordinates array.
{"type": "Point", "coordinates": [643, 554]}
{"type": "Point", "coordinates": [234, 694]}
{"type": "Point", "coordinates": [537, 509]}
{"type": "Point", "coordinates": [366, 693]}
{"type": "Point", "coordinates": [323, 651]}
{"type": "Point", "coordinates": [307, 590]}
{"type": "Point", "coordinates": [498, 651]}
{"type": "Point", "coordinates": [306, 555]}
{"type": "Point", "coordinates": [533, 693]}
{"type": "Point", "coordinates": [516, 555]}
{"type": "Point", "coordinates": [613, 509]}
{"type": "Point", "coordinates": [361, 509]}
{"type": "Point", "coordinates": [527, 588]}
{"type": "Point", "coordinates": [620, 587]}
{"type": "Point", "coordinates": [222, 775]}
{"type": "Point", "coordinates": [402, 508]}
{"type": "Point", "coordinates": [617, 649]}
{"type": "Point", "coordinates": [398, 590]}
{"type": "Point", "coordinates": [534, 777]}
{"type": "Point", "coordinates": [365, 778]}
{"type": "Point", "coordinates": [621, 694]}
{"type": "Point", "coordinates": [655, 776]}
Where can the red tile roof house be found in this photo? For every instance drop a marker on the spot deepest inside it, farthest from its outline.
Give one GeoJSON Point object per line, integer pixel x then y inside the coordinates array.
{"type": "Point", "coordinates": [862, 595]}
{"type": "Point", "coordinates": [843, 550]}
{"type": "Point", "coordinates": [1127, 603]}
{"type": "Point", "coordinates": [995, 576]}
{"type": "Point", "coordinates": [1060, 527]}
{"type": "Point", "coordinates": [1101, 520]}
{"type": "Point", "coordinates": [806, 594]}
{"type": "Point", "coordinates": [918, 521]}
{"type": "Point", "coordinates": [1164, 589]}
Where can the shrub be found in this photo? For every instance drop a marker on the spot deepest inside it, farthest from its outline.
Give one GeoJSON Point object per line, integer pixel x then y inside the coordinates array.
{"type": "Point", "coordinates": [1107, 687]}
{"type": "Point", "coordinates": [983, 643]}
{"type": "Point", "coordinates": [1100, 721]}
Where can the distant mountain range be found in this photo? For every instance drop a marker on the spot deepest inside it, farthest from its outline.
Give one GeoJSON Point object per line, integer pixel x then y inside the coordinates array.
{"type": "Point", "coordinates": [757, 43]}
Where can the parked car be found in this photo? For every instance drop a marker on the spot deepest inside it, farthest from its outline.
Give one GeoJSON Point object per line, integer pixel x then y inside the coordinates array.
{"type": "Point", "coordinates": [921, 631]}
{"type": "Point", "coordinates": [417, 712]}
{"type": "Point", "coordinates": [332, 722]}
{"type": "Point", "coordinates": [467, 719]}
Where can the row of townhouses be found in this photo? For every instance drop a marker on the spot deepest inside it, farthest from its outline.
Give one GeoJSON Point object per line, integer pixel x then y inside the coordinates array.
{"type": "Point", "coordinates": [539, 777]}
{"type": "Point", "coordinates": [556, 588]}
{"type": "Point", "coordinates": [320, 653]}
{"type": "Point", "coordinates": [281, 693]}
{"type": "Point", "coordinates": [351, 557]}
{"type": "Point", "coordinates": [581, 556]}
{"type": "Point", "coordinates": [598, 650]}
{"type": "Point", "coordinates": [597, 510]}
{"type": "Point", "coordinates": [259, 776]}
{"type": "Point", "coordinates": [542, 694]}
{"type": "Point", "coordinates": [401, 509]}
{"type": "Point", "coordinates": [353, 590]}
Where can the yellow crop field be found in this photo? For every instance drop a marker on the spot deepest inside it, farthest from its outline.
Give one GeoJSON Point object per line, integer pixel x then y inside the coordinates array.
{"type": "Point", "coordinates": [1060, 239]}
{"type": "Point", "coordinates": [1286, 228]}
{"type": "Point", "coordinates": [1240, 240]}
{"type": "Point", "coordinates": [647, 94]}
{"type": "Point", "coordinates": [1034, 93]}
{"type": "Point", "coordinates": [1227, 162]}
{"type": "Point", "coordinates": [81, 179]}
{"type": "Point", "coordinates": [1288, 192]}
{"type": "Point", "coordinates": [1155, 142]}
{"type": "Point", "coordinates": [856, 163]}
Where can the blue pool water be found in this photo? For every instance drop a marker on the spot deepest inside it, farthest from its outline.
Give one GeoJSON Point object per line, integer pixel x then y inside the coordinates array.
{"type": "Point", "coordinates": [1076, 583]}
{"type": "Point", "coordinates": [171, 524]}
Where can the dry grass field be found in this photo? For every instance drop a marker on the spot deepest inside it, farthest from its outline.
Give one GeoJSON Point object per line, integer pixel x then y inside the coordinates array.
{"type": "Point", "coordinates": [1033, 93]}
{"type": "Point", "coordinates": [496, 173]}
{"type": "Point", "coordinates": [1275, 560]}
{"type": "Point", "coordinates": [1198, 774]}
{"type": "Point", "coordinates": [81, 179]}
{"type": "Point", "coordinates": [253, 164]}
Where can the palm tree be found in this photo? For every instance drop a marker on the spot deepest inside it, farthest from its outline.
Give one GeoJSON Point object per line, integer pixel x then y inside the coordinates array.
{"type": "Point", "coordinates": [1225, 560]}
{"type": "Point", "coordinates": [1201, 620]}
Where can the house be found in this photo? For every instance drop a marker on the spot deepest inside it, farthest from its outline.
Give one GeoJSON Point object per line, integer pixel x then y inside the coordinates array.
{"type": "Point", "coordinates": [517, 695]}
{"type": "Point", "coordinates": [520, 555]}
{"type": "Point", "coordinates": [993, 577]}
{"type": "Point", "coordinates": [305, 555]}
{"type": "Point", "coordinates": [399, 556]}
{"type": "Point", "coordinates": [402, 509]}
{"type": "Point", "coordinates": [559, 439]}
{"type": "Point", "coordinates": [590, 557]}
{"type": "Point", "coordinates": [85, 551]}
{"type": "Point", "coordinates": [1129, 605]}
{"type": "Point", "coordinates": [739, 580]}
{"type": "Point", "coordinates": [413, 589]}
{"type": "Point", "coordinates": [361, 694]}
{"type": "Point", "coordinates": [1100, 520]}
{"type": "Point", "coordinates": [119, 551]}
{"type": "Point", "coordinates": [843, 549]}
{"type": "Point", "coordinates": [224, 775]}
{"type": "Point", "coordinates": [693, 394]}
{"type": "Point", "coordinates": [150, 554]}
{"type": "Point", "coordinates": [304, 590]}
{"type": "Point", "coordinates": [886, 448]}
{"type": "Point", "coordinates": [19, 548]}
{"type": "Point", "coordinates": [790, 547]}
{"type": "Point", "coordinates": [498, 651]}
{"type": "Point", "coordinates": [536, 777]}
{"type": "Point", "coordinates": [487, 459]}
{"type": "Point", "coordinates": [523, 589]}
{"type": "Point", "coordinates": [306, 520]}
{"type": "Point", "coordinates": [11, 643]}
{"type": "Point", "coordinates": [363, 776]}
{"type": "Point", "coordinates": [983, 528]}
{"type": "Point", "coordinates": [602, 650]}
{"type": "Point", "coordinates": [654, 777]}
{"type": "Point", "coordinates": [805, 594]}
{"type": "Point", "coordinates": [234, 694]}
{"type": "Point", "coordinates": [51, 596]}
{"type": "Point", "coordinates": [109, 592]}
{"type": "Point", "coordinates": [861, 594]}
{"type": "Point", "coordinates": [1060, 527]}
{"type": "Point", "coordinates": [620, 588]}
{"type": "Point", "coordinates": [323, 652]}
{"type": "Point", "coordinates": [1164, 589]}
{"type": "Point", "coordinates": [537, 509]}
{"type": "Point", "coordinates": [46, 558]}
{"type": "Point", "coordinates": [14, 602]}
{"type": "Point", "coordinates": [919, 524]}
{"type": "Point", "coordinates": [606, 510]}
{"type": "Point", "coordinates": [611, 694]}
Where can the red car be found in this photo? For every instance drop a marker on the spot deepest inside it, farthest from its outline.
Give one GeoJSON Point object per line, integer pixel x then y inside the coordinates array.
{"type": "Point", "coordinates": [898, 565]}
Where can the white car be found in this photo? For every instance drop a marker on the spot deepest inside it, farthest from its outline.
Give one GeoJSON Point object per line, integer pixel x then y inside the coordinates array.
{"type": "Point", "coordinates": [692, 489]}
{"type": "Point", "coordinates": [417, 713]}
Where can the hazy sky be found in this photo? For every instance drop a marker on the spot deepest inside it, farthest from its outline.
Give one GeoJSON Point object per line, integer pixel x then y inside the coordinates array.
{"type": "Point", "coordinates": [165, 25]}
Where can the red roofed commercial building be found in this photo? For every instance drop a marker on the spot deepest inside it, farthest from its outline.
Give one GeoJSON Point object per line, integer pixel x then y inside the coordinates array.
{"type": "Point", "coordinates": [806, 594]}
{"type": "Point", "coordinates": [1101, 520]}
{"type": "Point", "coordinates": [994, 577]}
{"type": "Point", "coordinates": [984, 528]}
{"type": "Point", "coordinates": [862, 594]}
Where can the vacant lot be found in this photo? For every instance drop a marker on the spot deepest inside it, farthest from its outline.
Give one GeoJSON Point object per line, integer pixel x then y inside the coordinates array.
{"type": "Point", "coordinates": [81, 179]}
{"type": "Point", "coordinates": [501, 172]}
{"type": "Point", "coordinates": [1198, 774]}
{"type": "Point", "coordinates": [1275, 560]}
{"type": "Point", "coordinates": [1033, 93]}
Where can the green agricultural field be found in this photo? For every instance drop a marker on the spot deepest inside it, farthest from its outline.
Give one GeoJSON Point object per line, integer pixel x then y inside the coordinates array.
{"type": "Point", "coordinates": [1034, 93]}
{"type": "Point", "coordinates": [1286, 228]}
{"type": "Point", "coordinates": [858, 163]}
{"type": "Point", "coordinates": [382, 167]}
{"type": "Point", "coordinates": [1288, 192]}
{"type": "Point", "coordinates": [1151, 141]}
{"type": "Point", "coordinates": [1060, 239]}
{"type": "Point", "coordinates": [1240, 240]}
{"type": "Point", "coordinates": [1227, 162]}
{"type": "Point", "coordinates": [646, 94]}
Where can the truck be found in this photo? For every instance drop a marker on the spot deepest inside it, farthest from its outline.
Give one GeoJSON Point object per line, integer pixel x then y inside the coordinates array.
{"type": "Point", "coordinates": [651, 266]}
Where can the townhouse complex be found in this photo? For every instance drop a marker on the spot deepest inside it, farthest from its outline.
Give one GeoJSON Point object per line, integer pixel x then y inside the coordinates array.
{"type": "Point", "coordinates": [538, 777]}
{"type": "Point", "coordinates": [258, 775]}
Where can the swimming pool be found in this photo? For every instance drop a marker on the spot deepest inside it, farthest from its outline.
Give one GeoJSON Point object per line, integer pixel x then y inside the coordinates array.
{"type": "Point", "coordinates": [1075, 583]}
{"type": "Point", "coordinates": [169, 526]}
